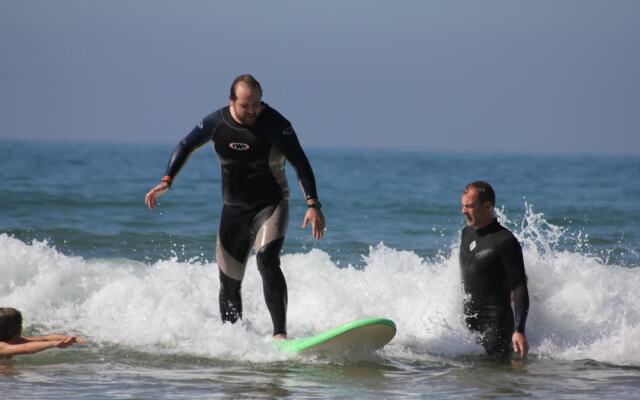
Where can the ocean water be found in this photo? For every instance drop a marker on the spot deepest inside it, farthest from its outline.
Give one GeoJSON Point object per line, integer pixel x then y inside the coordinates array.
{"type": "Point", "coordinates": [81, 254]}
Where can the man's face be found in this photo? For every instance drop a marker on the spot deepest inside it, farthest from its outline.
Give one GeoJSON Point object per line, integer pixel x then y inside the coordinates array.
{"type": "Point", "coordinates": [477, 215]}
{"type": "Point", "coordinates": [246, 107]}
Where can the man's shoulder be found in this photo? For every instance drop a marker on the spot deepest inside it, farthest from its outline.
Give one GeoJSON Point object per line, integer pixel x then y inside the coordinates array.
{"type": "Point", "coordinates": [505, 237]}
{"type": "Point", "coordinates": [215, 115]}
{"type": "Point", "coordinates": [213, 120]}
{"type": "Point", "coordinates": [273, 116]}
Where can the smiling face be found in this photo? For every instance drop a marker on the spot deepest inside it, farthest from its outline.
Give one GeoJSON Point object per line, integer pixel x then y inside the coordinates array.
{"type": "Point", "coordinates": [477, 215]}
{"type": "Point", "coordinates": [246, 107]}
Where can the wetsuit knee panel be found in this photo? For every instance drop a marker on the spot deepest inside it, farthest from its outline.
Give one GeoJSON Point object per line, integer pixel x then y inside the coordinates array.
{"type": "Point", "coordinates": [268, 257]}
{"type": "Point", "coordinates": [230, 264]}
{"type": "Point", "coordinates": [270, 224]}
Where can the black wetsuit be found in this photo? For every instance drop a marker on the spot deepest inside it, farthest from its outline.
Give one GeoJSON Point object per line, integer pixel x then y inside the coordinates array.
{"type": "Point", "coordinates": [492, 267]}
{"type": "Point", "coordinates": [255, 194]}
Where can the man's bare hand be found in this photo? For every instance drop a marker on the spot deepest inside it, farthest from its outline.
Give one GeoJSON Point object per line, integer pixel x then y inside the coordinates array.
{"type": "Point", "coordinates": [315, 217]}
{"type": "Point", "coordinates": [151, 198]}
{"type": "Point", "coordinates": [520, 344]}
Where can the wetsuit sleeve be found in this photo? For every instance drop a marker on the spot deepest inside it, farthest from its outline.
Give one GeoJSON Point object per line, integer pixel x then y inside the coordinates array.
{"type": "Point", "coordinates": [286, 140]}
{"type": "Point", "coordinates": [521, 305]}
{"type": "Point", "coordinates": [200, 135]}
{"type": "Point", "coordinates": [513, 262]}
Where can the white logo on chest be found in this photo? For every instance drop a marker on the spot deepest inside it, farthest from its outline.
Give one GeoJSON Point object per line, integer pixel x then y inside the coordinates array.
{"type": "Point", "coordinates": [239, 146]}
{"type": "Point", "coordinates": [472, 245]}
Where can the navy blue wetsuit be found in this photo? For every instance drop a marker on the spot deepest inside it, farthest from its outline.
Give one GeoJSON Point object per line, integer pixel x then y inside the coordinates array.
{"type": "Point", "coordinates": [492, 267]}
{"type": "Point", "coordinates": [255, 194]}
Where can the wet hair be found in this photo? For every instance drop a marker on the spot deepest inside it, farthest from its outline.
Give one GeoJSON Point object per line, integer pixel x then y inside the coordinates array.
{"type": "Point", "coordinates": [248, 80]}
{"type": "Point", "coordinates": [10, 324]}
{"type": "Point", "coordinates": [485, 192]}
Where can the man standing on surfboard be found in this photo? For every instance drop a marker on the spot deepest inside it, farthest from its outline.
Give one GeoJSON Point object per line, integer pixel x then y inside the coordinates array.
{"type": "Point", "coordinates": [252, 142]}
{"type": "Point", "coordinates": [492, 269]}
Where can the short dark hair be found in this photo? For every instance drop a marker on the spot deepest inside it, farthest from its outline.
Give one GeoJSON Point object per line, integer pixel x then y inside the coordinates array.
{"type": "Point", "coordinates": [248, 80]}
{"type": "Point", "coordinates": [485, 191]}
{"type": "Point", "coordinates": [10, 323]}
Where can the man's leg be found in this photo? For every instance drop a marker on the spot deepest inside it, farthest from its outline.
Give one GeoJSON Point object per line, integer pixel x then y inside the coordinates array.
{"type": "Point", "coordinates": [274, 284]}
{"type": "Point", "coordinates": [232, 250]}
{"type": "Point", "coordinates": [230, 299]}
{"type": "Point", "coordinates": [495, 327]}
{"type": "Point", "coordinates": [497, 341]}
{"type": "Point", "coordinates": [496, 336]}
{"type": "Point", "coordinates": [272, 223]}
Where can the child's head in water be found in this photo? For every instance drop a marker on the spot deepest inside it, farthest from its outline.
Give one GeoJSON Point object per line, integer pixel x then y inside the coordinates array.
{"type": "Point", "coordinates": [10, 324]}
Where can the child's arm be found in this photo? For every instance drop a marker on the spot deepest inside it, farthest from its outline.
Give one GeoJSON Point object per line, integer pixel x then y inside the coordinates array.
{"type": "Point", "coordinates": [49, 338]}
{"type": "Point", "coordinates": [8, 349]}
{"type": "Point", "coordinates": [24, 346]}
{"type": "Point", "coordinates": [46, 338]}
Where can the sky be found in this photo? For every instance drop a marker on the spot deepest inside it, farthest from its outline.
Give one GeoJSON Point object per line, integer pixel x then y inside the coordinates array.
{"type": "Point", "coordinates": [548, 76]}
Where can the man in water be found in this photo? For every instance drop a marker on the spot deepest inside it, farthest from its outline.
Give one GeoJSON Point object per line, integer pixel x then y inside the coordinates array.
{"type": "Point", "coordinates": [252, 141]}
{"type": "Point", "coordinates": [492, 270]}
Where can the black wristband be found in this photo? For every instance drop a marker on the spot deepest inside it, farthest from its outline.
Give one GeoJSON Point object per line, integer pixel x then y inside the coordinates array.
{"type": "Point", "coordinates": [316, 205]}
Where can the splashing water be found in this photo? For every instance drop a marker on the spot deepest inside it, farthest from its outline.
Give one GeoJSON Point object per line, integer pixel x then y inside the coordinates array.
{"type": "Point", "coordinates": [581, 308]}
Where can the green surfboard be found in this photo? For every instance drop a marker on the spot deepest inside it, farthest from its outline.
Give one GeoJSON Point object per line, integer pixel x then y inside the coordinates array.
{"type": "Point", "coordinates": [361, 336]}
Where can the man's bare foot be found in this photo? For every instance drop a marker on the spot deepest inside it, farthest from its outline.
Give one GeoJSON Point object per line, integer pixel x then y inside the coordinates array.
{"type": "Point", "coordinates": [280, 336]}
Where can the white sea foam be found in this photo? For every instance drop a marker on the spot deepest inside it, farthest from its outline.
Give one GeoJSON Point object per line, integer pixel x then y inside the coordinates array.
{"type": "Point", "coordinates": [581, 308]}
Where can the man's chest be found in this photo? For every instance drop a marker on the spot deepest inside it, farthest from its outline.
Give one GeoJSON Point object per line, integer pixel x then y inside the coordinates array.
{"type": "Point", "coordinates": [241, 144]}
{"type": "Point", "coordinates": [479, 255]}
